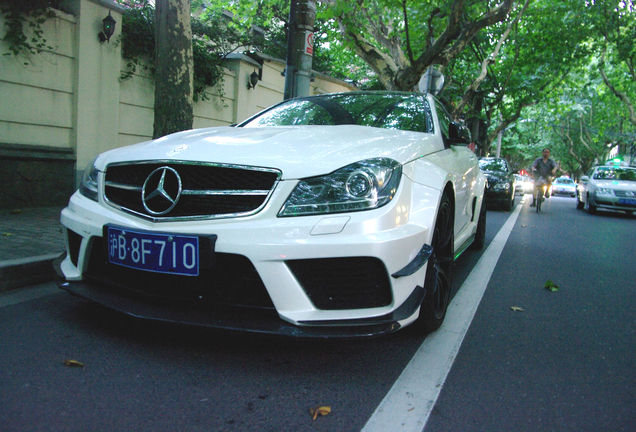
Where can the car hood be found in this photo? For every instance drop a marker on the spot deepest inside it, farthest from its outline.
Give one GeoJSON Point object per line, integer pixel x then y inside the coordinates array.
{"type": "Point", "coordinates": [616, 184]}
{"type": "Point", "coordinates": [495, 175]}
{"type": "Point", "coordinates": [298, 151]}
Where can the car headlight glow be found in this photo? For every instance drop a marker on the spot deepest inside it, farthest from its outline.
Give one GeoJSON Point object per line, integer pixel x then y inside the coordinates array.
{"type": "Point", "coordinates": [88, 186]}
{"type": "Point", "coordinates": [605, 191]}
{"type": "Point", "coordinates": [501, 186]}
{"type": "Point", "coordinates": [363, 185]}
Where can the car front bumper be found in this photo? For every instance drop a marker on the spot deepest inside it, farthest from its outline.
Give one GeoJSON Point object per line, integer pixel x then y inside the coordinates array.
{"type": "Point", "coordinates": [499, 196]}
{"type": "Point", "coordinates": [314, 276]}
{"type": "Point", "coordinates": [614, 202]}
{"type": "Point", "coordinates": [565, 192]}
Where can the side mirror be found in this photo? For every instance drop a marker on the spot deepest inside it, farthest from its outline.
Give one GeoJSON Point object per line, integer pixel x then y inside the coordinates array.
{"type": "Point", "coordinates": [585, 179]}
{"type": "Point", "coordinates": [458, 134]}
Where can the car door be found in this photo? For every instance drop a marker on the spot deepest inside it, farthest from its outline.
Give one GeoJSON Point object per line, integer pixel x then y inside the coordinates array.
{"type": "Point", "coordinates": [463, 167]}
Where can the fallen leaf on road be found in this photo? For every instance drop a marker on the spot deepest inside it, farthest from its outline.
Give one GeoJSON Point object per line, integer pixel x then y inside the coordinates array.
{"type": "Point", "coordinates": [323, 411]}
{"type": "Point", "coordinates": [516, 308]}
{"type": "Point", "coordinates": [73, 363]}
{"type": "Point", "coordinates": [551, 286]}
{"type": "Point", "coordinates": [16, 211]}
{"type": "Point", "coordinates": [5, 234]}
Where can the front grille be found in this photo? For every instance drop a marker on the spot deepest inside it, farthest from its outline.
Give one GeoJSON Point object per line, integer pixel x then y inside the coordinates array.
{"type": "Point", "coordinates": [224, 279]}
{"type": "Point", "coordinates": [206, 190]}
{"type": "Point", "coordinates": [343, 283]}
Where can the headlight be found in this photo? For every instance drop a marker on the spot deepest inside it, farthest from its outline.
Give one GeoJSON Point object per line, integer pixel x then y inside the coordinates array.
{"type": "Point", "coordinates": [501, 186]}
{"type": "Point", "coordinates": [605, 191]}
{"type": "Point", "coordinates": [364, 185]}
{"type": "Point", "coordinates": [88, 186]}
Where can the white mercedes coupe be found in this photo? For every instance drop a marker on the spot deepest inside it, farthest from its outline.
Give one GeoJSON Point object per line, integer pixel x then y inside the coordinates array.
{"type": "Point", "coordinates": [338, 215]}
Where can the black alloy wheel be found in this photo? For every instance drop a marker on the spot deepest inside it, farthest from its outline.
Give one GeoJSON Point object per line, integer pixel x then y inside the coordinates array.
{"type": "Point", "coordinates": [439, 271]}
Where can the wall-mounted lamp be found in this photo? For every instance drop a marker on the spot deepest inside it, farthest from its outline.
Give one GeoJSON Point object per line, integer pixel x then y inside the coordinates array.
{"type": "Point", "coordinates": [255, 77]}
{"type": "Point", "coordinates": [108, 28]}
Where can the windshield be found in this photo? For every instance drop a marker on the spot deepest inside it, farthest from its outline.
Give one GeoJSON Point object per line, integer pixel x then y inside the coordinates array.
{"type": "Point", "coordinates": [383, 110]}
{"type": "Point", "coordinates": [615, 173]}
{"type": "Point", "coordinates": [493, 164]}
{"type": "Point", "coordinates": [564, 181]}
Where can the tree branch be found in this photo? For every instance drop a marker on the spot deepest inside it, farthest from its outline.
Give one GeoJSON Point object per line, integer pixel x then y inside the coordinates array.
{"type": "Point", "coordinates": [452, 41]}
{"type": "Point", "coordinates": [470, 91]}
{"type": "Point", "coordinates": [409, 50]}
{"type": "Point", "coordinates": [620, 95]}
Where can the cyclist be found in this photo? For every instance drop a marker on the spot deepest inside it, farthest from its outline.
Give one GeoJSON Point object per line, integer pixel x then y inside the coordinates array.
{"type": "Point", "coordinates": [542, 169]}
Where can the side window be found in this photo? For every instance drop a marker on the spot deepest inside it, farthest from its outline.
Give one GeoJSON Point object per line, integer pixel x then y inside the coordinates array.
{"type": "Point", "coordinates": [444, 121]}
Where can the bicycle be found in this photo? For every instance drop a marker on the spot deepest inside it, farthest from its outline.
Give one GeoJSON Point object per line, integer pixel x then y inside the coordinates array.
{"type": "Point", "coordinates": [541, 186]}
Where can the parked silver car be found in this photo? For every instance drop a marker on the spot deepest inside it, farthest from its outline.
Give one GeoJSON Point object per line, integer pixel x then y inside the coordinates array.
{"type": "Point", "coordinates": [564, 186]}
{"type": "Point", "coordinates": [608, 187]}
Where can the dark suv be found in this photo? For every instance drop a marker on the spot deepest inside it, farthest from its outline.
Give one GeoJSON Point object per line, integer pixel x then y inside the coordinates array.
{"type": "Point", "coordinates": [501, 182]}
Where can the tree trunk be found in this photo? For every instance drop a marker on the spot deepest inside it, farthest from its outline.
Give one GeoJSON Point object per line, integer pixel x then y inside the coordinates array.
{"type": "Point", "coordinates": [174, 68]}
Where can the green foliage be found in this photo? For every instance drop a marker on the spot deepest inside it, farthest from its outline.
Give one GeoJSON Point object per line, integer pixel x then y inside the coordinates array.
{"type": "Point", "coordinates": [212, 40]}
{"type": "Point", "coordinates": [24, 20]}
{"type": "Point", "coordinates": [137, 37]}
{"type": "Point", "coordinates": [331, 55]}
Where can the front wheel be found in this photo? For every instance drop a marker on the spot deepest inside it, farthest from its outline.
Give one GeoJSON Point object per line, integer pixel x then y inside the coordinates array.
{"type": "Point", "coordinates": [510, 203]}
{"type": "Point", "coordinates": [579, 203]}
{"type": "Point", "coordinates": [439, 271]}
{"type": "Point", "coordinates": [591, 208]}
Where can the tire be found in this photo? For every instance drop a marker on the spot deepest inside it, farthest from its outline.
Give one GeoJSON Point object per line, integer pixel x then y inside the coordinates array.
{"type": "Point", "coordinates": [579, 203]}
{"type": "Point", "coordinates": [510, 203]}
{"type": "Point", "coordinates": [439, 271]}
{"type": "Point", "coordinates": [480, 233]}
{"type": "Point", "coordinates": [590, 208]}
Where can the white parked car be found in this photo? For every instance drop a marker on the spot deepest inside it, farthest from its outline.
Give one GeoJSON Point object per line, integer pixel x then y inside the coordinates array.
{"type": "Point", "coordinates": [564, 186]}
{"type": "Point", "coordinates": [332, 215]}
{"type": "Point", "coordinates": [609, 187]}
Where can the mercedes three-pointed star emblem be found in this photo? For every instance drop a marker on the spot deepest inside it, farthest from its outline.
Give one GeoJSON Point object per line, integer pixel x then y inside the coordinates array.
{"type": "Point", "coordinates": [161, 191]}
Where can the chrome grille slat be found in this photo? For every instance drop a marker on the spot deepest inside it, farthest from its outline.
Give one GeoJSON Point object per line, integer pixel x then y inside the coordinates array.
{"type": "Point", "coordinates": [225, 192]}
{"type": "Point", "coordinates": [209, 190]}
{"type": "Point", "coordinates": [123, 186]}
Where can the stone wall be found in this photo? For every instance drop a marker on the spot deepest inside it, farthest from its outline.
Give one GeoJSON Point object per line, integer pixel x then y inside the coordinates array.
{"type": "Point", "coordinates": [63, 106]}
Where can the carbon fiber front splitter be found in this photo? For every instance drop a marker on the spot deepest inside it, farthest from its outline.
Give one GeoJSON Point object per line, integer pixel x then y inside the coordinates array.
{"type": "Point", "coordinates": [241, 319]}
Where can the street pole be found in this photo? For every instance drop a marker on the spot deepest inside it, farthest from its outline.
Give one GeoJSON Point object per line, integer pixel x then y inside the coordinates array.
{"type": "Point", "coordinates": [300, 47]}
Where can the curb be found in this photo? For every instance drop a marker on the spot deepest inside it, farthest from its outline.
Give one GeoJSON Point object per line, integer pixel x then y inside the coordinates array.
{"type": "Point", "coordinates": [19, 272]}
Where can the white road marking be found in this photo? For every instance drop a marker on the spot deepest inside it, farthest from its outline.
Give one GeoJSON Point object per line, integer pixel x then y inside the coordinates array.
{"type": "Point", "coordinates": [21, 295]}
{"type": "Point", "coordinates": [408, 405]}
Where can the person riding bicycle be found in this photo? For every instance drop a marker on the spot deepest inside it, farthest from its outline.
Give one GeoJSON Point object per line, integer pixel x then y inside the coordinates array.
{"type": "Point", "coordinates": [542, 169]}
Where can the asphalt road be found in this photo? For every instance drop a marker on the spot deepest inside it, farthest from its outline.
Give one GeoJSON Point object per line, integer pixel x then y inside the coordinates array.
{"type": "Point", "coordinates": [564, 363]}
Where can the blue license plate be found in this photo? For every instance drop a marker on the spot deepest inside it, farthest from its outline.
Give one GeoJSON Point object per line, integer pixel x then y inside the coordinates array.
{"type": "Point", "coordinates": [154, 252]}
{"type": "Point", "coordinates": [627, 201]}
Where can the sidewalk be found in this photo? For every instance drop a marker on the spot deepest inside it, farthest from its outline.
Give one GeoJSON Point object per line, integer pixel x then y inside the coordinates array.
{"type": "Point", "coordinates": [30, 239]}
